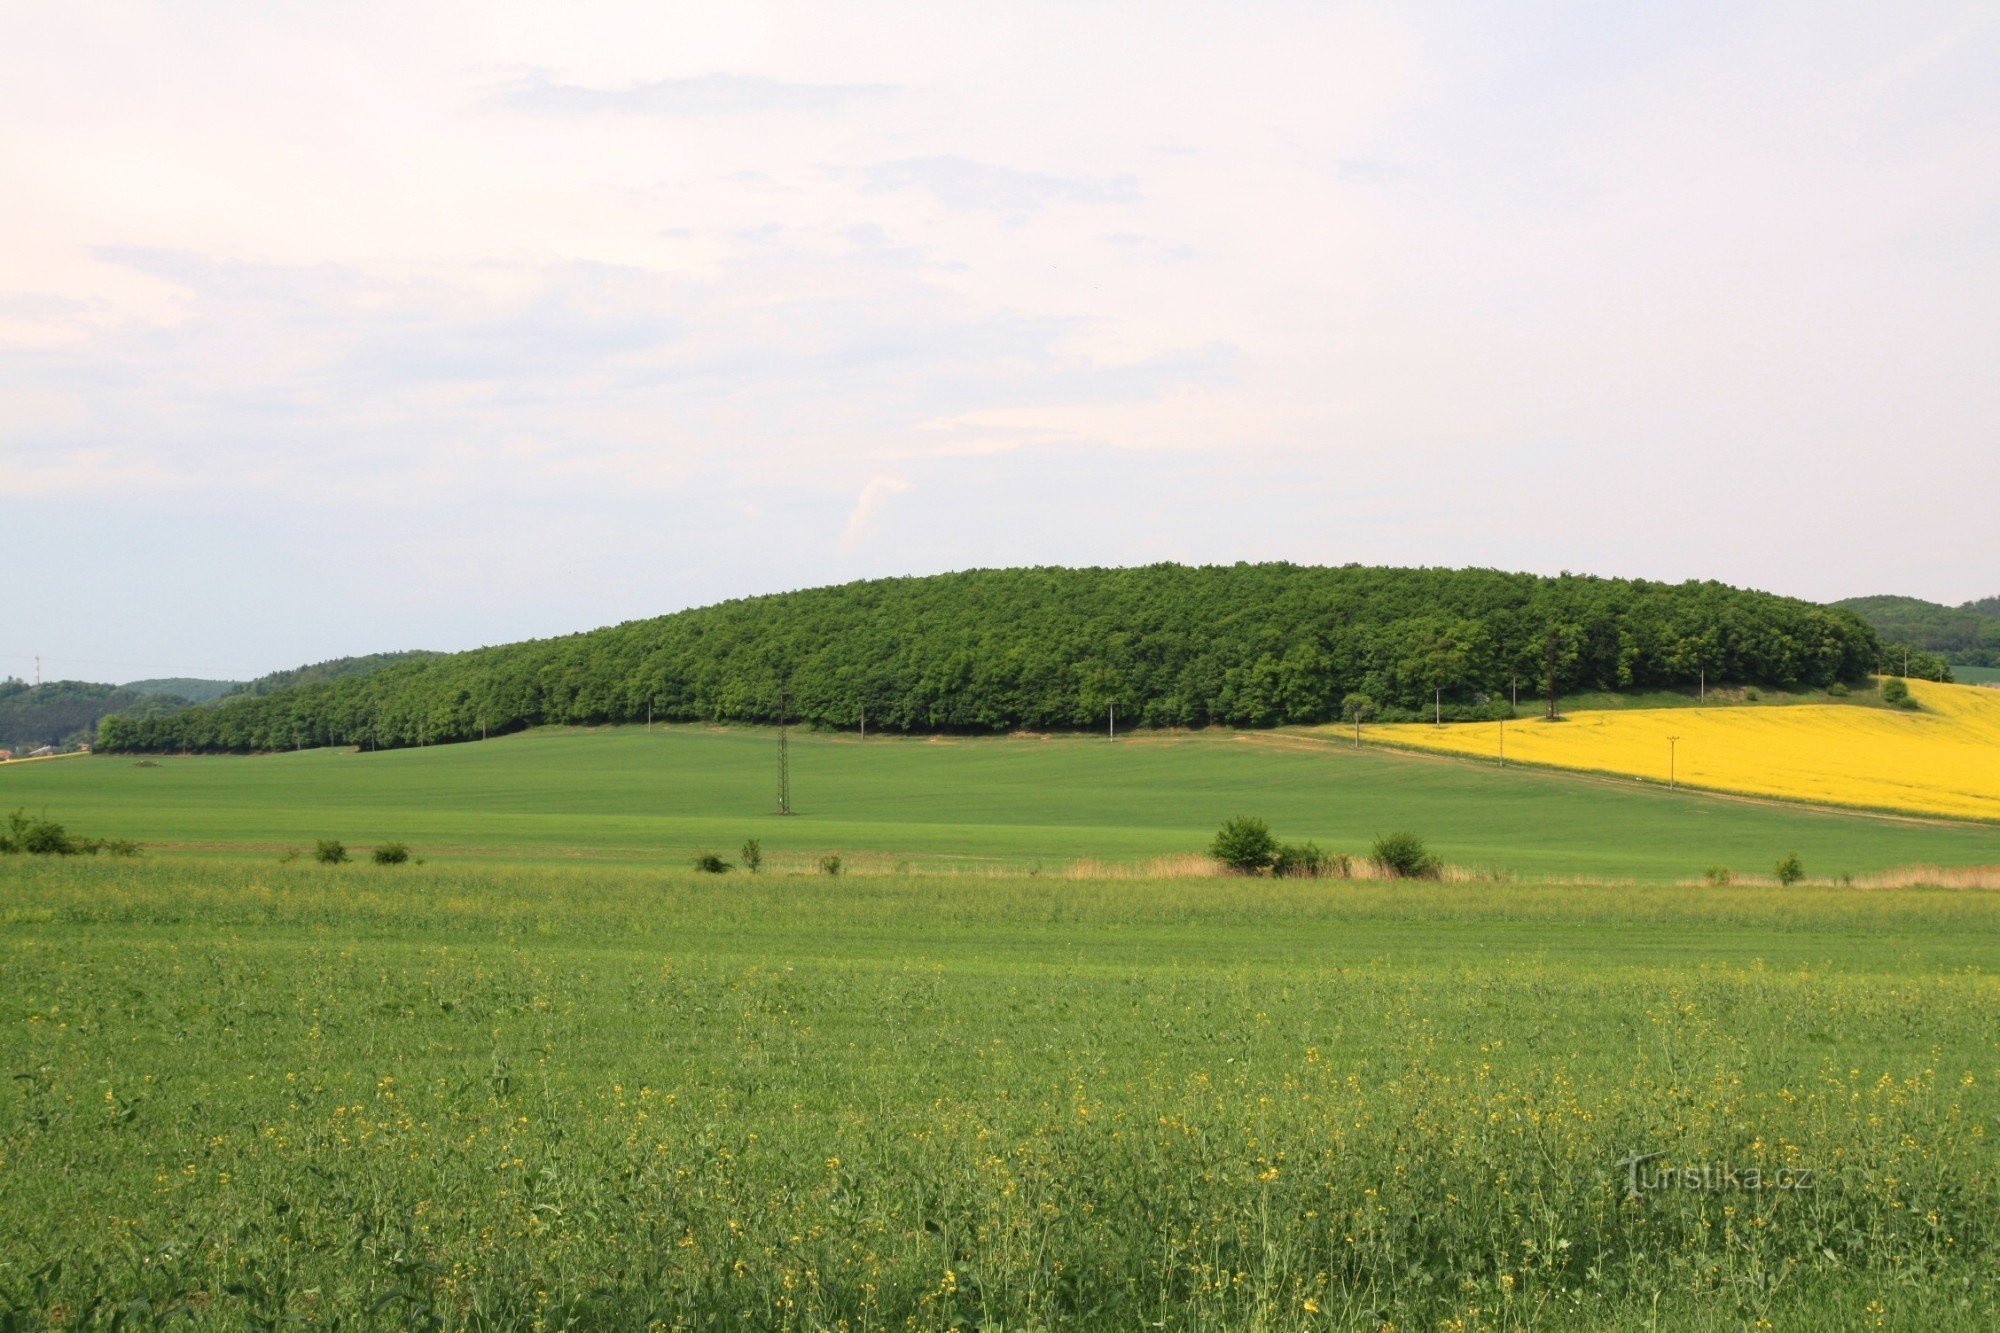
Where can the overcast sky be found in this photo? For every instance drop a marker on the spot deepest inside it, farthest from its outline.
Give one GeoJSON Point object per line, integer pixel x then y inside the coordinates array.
{"type": "Point", "coordinates": [335, 328]}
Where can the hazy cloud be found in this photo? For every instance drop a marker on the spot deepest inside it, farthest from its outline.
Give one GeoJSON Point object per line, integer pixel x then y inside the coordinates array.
{"type": "Point", "coordinates": [866, 507]}
{"type": "Point", "coordinates": [962, 183]}
{"type": "Point", "coordinates": [701, 95]}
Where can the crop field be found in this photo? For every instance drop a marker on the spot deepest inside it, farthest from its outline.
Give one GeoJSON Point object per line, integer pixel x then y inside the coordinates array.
{"type": "Point", "coordinates": [247, 1095]}
{"type": "Point", "coordinates": [1943, 759]}
{"type": "Point", "coordinates": [1010, 803]}
{"type": "Point", "coordinates": [1971, 675]}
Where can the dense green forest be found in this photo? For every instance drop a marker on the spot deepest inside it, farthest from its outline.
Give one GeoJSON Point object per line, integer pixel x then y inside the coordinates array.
{"type": "Point", "coordinates": [67, 712]}
{"type": "Point", "coordinates": [1968, 635]}
{"type": "Point", "coordinates": [192, 688]}
{"type": "Point", "coordinates": [334, 668]}
{"type": "Point", "coordinates": [993, 650]}
{"type": "Point", "coordinates": [64, 712]}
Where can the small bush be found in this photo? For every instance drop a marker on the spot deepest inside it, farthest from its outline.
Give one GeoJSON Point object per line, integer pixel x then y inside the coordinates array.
{"type": "Point", "coordinates": [708, 863]}
{"type": "Point", "coordinates": [829, 865]}
{"type": "Point", "coordinates": [1837, 690]}
{"type": "Point", "coordinates": [1719, 876]}
{"type": "Point", "coordinates": [391, 854]}
{"type": "Point", "coordinates": [1405, 856]}
{"type": "Point", "coordinates": [1304, 860]}
{"type": "Point", "coordinates": [1245, 845]}
{"type": "Point", "coordinates": [330, 852]}
{"type": "Point", "coordinates": [753, 855]}
{"type": "Point", "coordinates": [1791, 870]}
{"type": "Point", "coordinates": [1896, 693]}
{"type": "Point", "coordinates": [1752, 695]}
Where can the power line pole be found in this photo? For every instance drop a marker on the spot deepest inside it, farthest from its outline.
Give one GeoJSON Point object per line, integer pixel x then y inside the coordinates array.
{"type": "Point", "coordinates": [864, 722]}
{"type": "Point", "coordinates": [38, 670]}
{"type": "Point", "coordinates": [1114, 719]}
{"type": "Point", "coordinates": [1440, 705]}
{"type": "Point", "coordinates": [1673, 746]}
{"type": "Point", "coordinates": [649, 714]}
{"type": "Point", "coordinates": [1503, 742]}
{"type": "Point", "coordinates": [784, 755]}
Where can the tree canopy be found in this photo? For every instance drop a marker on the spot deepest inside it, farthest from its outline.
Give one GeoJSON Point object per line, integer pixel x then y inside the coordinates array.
{"type": "Point", "coordinates": [1051, 648]}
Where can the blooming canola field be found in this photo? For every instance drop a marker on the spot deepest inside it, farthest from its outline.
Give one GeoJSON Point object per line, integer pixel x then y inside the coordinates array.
{"type": "Point", "coordinates": [1942, 758]}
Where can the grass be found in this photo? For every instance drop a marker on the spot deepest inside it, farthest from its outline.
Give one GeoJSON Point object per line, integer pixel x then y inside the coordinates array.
{"type": "Point", "coordinates": [491, 1097]}
{"type": "Point", "coordinates": [639, 796]}
{"type": "Point", "coordinates": [1941, 758]}
{"type": "Point", "coordinates": [1972, 675]}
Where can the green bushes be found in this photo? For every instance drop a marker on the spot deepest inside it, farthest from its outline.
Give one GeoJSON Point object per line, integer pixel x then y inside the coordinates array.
{"type": "Point", "coordinates": [391, 854]}
{"type": "Point", "coordinates": [1304, 860]}
{"type": "Point", "coordinates": [1791, 870]}
{"type": "Point", "coordinates": [1404, 855]}
{"type": "Point", "coordinates": [1245, 845]}
{"type": "Point", "coordinates": [1896, 693]}
{"type": "Point", "coordinates": [829, 865]}
{"type": "Point", "coordinates": [708, 863]}
{"type": "Point", "coordinates": [753, 855]}
{"type": "Point", "coordinates": [24, 834]}
{"type": "Point", "coordinates": [1718, 876]}
{"type": "Point", "coordinates": [330, 852]}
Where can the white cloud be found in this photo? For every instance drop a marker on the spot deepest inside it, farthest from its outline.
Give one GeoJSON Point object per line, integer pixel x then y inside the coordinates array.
{"type": "Point", "coordinates": [866, 508]}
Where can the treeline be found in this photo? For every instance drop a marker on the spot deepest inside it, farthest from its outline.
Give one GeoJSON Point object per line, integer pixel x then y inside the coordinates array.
{"type": "Point", "coordinates": [992, 650]}
{"type": "Point", "coordinates": [66, 712]}
{"type": "Point", "coordinates": [1968, 635]}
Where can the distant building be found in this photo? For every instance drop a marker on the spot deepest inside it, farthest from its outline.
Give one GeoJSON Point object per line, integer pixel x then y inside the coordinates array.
{"type": "Point", "coordinates": [45, 750]}
{"type": "Point", "coordinates": [5, 755]}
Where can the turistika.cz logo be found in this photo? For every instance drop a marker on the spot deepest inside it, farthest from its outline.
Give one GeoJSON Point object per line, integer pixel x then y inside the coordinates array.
{"type": "Point", "coordinates": [1642, 1177]}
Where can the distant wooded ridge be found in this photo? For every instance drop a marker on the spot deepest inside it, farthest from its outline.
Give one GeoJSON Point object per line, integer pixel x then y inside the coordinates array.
{"type": "Point", "coordinates": [67, 712]}
{"type": "Point", "coordinates": [1968, 634]}
{"type": "Point", "coordinates": [1052, 648]}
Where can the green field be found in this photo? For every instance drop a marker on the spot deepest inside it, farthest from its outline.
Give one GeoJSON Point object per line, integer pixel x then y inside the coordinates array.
{"type": "Point", "coordinates": [638, 796]}
{"type": "Point", "coordinates": [247, 1095]}
{"type": "Point", "coordinates": [1971, 675]}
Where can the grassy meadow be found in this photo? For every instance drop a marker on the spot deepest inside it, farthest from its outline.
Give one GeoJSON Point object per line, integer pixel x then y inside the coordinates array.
{"type": "Point", "coordinates": [655, 797]}
{"type": "Point", "coordinates": [1972, 675]}
{"type": "Point", "coordinates": [245, 1094]}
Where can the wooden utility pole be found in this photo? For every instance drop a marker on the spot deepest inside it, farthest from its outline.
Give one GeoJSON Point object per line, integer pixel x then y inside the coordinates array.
{"type": "Point", "coordinates": [1439, 700]}
{"type": "Point", "coordinates": [1673, 746]}
{"type": "Point", "coordinates": [1114, 720]}
{"type": "Point", "coordinates": [1503, 742]}
{"type": "Point", "coordinates": [784, 755]}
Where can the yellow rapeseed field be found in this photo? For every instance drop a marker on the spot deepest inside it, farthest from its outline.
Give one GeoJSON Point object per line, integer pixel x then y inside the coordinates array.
{"type": "Point", "coordinates": [1942, 759]}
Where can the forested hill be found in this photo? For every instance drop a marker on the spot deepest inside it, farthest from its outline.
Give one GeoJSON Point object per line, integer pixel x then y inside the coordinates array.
{"type": "Point", "coordinates": [1968, 635]}
{"type": "Point", "coordinates": [992, 650]}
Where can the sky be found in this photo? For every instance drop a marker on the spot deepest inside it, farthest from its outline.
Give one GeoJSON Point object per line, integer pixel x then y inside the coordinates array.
{"type": "Point", "coordinates": [329, 329]}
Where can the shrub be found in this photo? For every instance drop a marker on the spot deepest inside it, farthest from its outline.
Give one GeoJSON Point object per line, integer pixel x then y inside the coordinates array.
{"type": "Point", "coordinates": [1896, 692]}
{"type": "Point", "coordinates": [391, 854]}
{"type": "Point", "coordinates": [708, 863]}
{"type": "Point", "coordinates": [753, 855]}
{"type": "Point", "coordinates": [329, 852]}
{"type": "Point", "coordinates": [1405, 856]}
{"type": "Point", "coordinates": [1837, 690]}
{"type": "Point", "coordinates": [1304, 860]}
{"type": "Point", "coordinates": [1791, 870]}
{"type": "Point", "coordinates": [45, 837]}
{"type": "Point", "coordinates": [1752, 695]}
{"type": "Point", "coordinates": [829, 865]}
{"type": "Point", "coordinates": [1717, 875]}
{"type": "Point", "coordinates": [1245, 845]}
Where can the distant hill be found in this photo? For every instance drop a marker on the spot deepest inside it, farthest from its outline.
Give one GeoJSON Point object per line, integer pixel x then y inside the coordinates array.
{"type": "Point", "coordinates": [1968, 635]}
{"type": "Point", "coordinates": [335, 668]}
{"type": "Point", "coordinates": [66, 712]}
{"type": "Point", "coordinates": [184, 687]}
{"type": "Point", "coordinates": [993, 650]}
